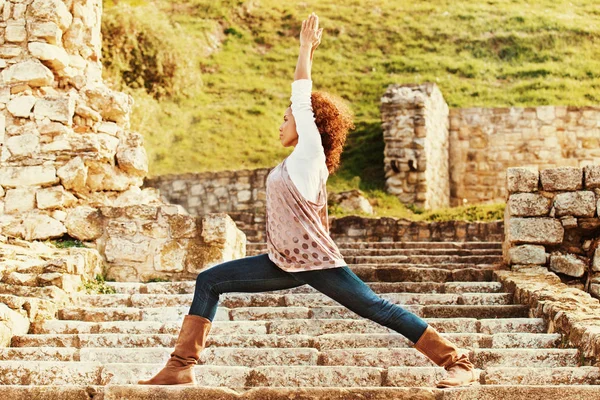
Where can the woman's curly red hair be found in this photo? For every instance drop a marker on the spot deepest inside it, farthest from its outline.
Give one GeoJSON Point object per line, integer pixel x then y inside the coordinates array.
{"type": "Point", "coordinates": [334, 119]}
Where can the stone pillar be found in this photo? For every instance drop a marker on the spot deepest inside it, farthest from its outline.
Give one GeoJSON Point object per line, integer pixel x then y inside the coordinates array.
{"type": "Point", "coordinates": [415, 132]}
{"type": "Point", "coordinates": [69, 163]}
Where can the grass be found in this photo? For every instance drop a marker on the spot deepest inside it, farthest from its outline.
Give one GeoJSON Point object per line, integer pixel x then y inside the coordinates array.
{"type": "Point", "coordinates": [222, 111]}
{"type": "Point", "coordinates": [98, 286]}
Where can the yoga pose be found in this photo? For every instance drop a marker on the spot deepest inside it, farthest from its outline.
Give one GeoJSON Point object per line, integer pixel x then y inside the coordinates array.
{"type": "Point", "coordinates": [299, 248]}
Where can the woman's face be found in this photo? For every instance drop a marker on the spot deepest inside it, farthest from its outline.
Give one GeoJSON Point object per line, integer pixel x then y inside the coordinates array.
{"type": "Point", "coordinates": [288, 136]}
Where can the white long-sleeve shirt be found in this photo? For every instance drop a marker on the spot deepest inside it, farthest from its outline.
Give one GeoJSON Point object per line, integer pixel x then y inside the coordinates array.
{"type": "Point", "coordinates": [306, 164]}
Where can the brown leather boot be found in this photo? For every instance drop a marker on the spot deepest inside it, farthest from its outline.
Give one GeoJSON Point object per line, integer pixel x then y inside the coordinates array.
{"type": "Point", "coordinates": [461, 372]}
{"type": "Point", "coordinates": [180, 367]}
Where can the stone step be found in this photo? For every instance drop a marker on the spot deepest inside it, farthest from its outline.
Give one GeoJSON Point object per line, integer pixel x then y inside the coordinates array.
{"type": "Point", "coordinates": [402, 245]}
{"type": "Point", "coordinates": [292, 326]}
{"type": "Point", "coordinates": [98, 314]}
{"type": "Point", "coordinates": [232, 300]}
{"type": "Point", "coordinates": [183, 287]}
{"type": "Point", "coordinates": [418, 260]}
{"type": "Point", "coordinates": [423, 252]}
{"type": "Point", "coordinates": [407, 272]}
{"type": "Point", "coordinates": [322, 342]}
{"type": "Point", "coordinates": [403, 252]}
{"type": "Point", "coordinates": [145, 392]}
{"type": "Point", "coordinates": [254, 357]}
{"type": "Point", "coordinates": [90, 373]}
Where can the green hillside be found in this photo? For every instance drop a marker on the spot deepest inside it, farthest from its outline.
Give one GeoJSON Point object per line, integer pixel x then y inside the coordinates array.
{"type": "Point", "coordinates": [200, 111]}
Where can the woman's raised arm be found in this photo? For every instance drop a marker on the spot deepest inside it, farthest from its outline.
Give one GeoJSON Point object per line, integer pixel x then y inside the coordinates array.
{"type": "Point", "coordinates": [310, 37]}
{"type": "Point", "coordinates": [309, 139]}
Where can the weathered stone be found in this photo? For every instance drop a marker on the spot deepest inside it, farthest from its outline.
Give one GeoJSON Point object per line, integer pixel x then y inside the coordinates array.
{"type": "Point", "coordinates": [133, 160]}
{"type": "Point", "coordinates": [119, 250]}
{"type": "Point", "coordinates": [522, 180]}
{"type": "Point", "coordinates": [42, 227]}
{"type": "Point", "coordinates": [562, 178]}
{"type": "Point", "coordinates": [73, 175]}
{"type": "Point", "coordinates": [51, 10]}
{"type": "Point", "coordinates": [569, 222]}
{"type": "Point", "coordinates": [535, 231]}
{"type": "Point", "coordinates": [15, 32]}
{"type": "Point", "coordinates": [56, 108]}
{"type": "Point", "coordinates": [528, 205]}
{"type": "Point", "coordinates": [112, 105]}
{"type": "Point", "coordinates": [170, 256]}
{"type": "Point", "coordinates": [17, 278]}
{"type": "Point", "coordinates": [596, 260]}
{"type": "Point", "coordinates": [19, 200]}
{"type": "Point", "coordinates": [23, 145]}
{"type": "Point", "coordinates": [54, 56]}
{"type": "Point", "coordinates": [16, 322]}
{"type": "Point", "coordinates": [528, 254]}
{"type": "Point", "coordinates": [102, 176]}
{"type": "Point", "coordinates": [84, 223]}
{"type": "Point", "coordinates": [592, 176]}
{"type": "Point", "coordinates": [567, 264]}
{"type": "Point", "coordinates": [21, 106]}
{"type": "Point", "coordinates": [183, 226]}
{"type": "Point", "coordinates": [31, 72]}
{"type": "Point", "coordinates": [577, 204]}
{"type": "Point", "coordinates": [48, 31]}
{"type": "Point", "coordinates": [54, 197]}
{"type": "Point", "coordinates": [353, 200]}
{"type": "Point", "coordinates": [27, 176]}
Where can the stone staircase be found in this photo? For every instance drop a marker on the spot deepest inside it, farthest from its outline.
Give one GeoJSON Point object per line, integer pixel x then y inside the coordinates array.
{"type": "Point", "coordinates": [299, 344]}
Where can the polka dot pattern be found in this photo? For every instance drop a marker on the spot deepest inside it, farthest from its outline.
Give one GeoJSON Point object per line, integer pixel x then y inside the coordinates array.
{"type": "Point", "coordinates": [297, 229]}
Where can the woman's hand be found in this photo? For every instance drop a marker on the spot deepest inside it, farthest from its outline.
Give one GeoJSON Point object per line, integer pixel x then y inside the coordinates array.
{"type": "Point", "coordinates": [310, 35]}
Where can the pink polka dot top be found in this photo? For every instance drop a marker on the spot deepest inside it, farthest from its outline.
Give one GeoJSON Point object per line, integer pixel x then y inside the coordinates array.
{"type": "Point", "coordinates": [297, 228]}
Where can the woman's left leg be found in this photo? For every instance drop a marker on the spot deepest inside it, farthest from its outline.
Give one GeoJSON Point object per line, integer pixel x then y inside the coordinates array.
{"type": "Point", "coordinates": [342, 285]}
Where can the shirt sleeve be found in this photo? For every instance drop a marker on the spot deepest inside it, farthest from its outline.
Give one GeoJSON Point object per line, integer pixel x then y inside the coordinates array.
{"type": "Point", "coordinates": [309, 139]}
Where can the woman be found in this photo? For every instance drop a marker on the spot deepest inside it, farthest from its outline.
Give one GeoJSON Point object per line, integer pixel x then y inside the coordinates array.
{"type": "Point", "coordinates": [299, 248]}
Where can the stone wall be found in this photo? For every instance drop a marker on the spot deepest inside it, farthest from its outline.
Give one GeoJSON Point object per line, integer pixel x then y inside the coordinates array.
{"type": "Point", "coordinates": [552, 220]}
{"type": "Point", "coordinates": [484, 142]}
{"type": "Point", "coordinates": [385, 229]}
{"type": "Point", "coordinates": [426, 145]}
{"type": "Point", "coordinates": [68, 155]}
{"type": "Point", "coordinates": [240, 193]}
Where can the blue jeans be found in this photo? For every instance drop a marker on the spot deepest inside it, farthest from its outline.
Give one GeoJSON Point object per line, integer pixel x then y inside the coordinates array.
{"type": "Point", "coordinates": [259, 274]}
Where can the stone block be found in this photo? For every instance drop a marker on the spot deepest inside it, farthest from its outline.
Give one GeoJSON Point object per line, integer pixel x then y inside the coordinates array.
{"type": "Point", "coordinates": [21, 106]}
{"type": "Point", "coordinates": [54, 197]}
{"type": "Point", "coordinates": [596, 261]}
{"type": "Point", "coordinates": [42, 227]}
{"type": "Point", "coordinates": [37, 175]}
{"type": "Point", "coordinates": [170, 256]}
{"type": "Point", "coordinates": [568, 222]}
{"type": "Point", "coordinates": [592, 176]}
{"type": "Point", "coordinates": [19, 200]}
{"type": "Point", "coordinates": [567, 264]}
{"type": "Point", "coordinates": [56, 108]}
{"type": "Point", "coordinates": [31, 72]}
{"type": "Point", "coordinates": [119, 249]}
{"type": "Point", "coordinates": [84, 223]}
{"type": "Point", "coordinates": [528, 254]}
{"type": "Point", "coordinates": [73, 175]}
{"type": "Point", "coordinates": [535, 231]}
{"type": "Point", "coordinates": [576, 204]}
{"type": "Point", "coordinates": [562, 178]}
{"type": "Point", "coordinates": [522, 180]}
{"type": "Point", "coordinates": [528, 205]}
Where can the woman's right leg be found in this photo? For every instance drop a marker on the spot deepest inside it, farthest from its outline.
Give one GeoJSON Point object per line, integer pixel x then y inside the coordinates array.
{"type": "Point", "coordinates": [248, 274]}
